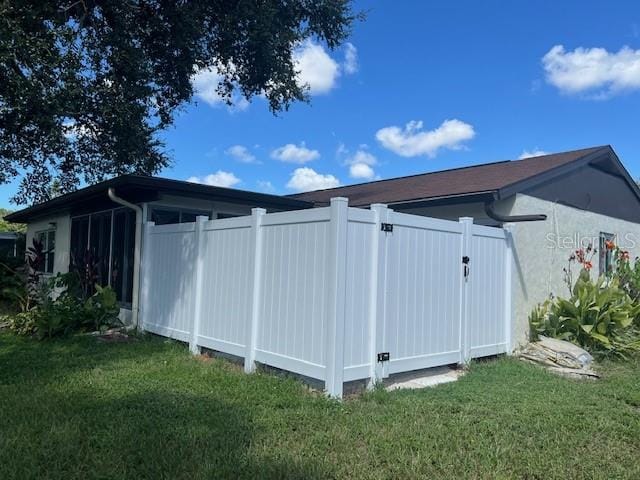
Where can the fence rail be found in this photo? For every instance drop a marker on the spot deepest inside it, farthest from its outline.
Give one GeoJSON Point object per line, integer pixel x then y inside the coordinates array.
{"type": "Point", "coordinates": [323, 292]}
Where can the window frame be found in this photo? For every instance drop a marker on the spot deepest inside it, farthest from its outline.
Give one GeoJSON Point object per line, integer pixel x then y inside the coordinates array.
{"type": "Point", "coordinates": [605, 257]}
{"type": "Point", "coordinates": [47, 252]}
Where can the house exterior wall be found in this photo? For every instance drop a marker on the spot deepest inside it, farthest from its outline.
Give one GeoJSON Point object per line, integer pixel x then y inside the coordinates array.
{"type": "Point", "coordinates": [451, 212]}
{"type": "Point", "coordinates": [541, 250]}
{"type": "Point", "coordinates": [63, 238]}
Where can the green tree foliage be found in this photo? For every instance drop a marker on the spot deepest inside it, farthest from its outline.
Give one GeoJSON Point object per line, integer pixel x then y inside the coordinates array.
{"type": "Point", "coordinates": [10, 227]}
{"type": "Point", "coordinates": [87, 86]}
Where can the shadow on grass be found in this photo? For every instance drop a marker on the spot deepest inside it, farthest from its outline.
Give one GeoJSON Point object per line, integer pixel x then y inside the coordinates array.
{"type": "Point", "coordinates": [26, 359]}
{"type": "Point", "coordinates": [156, 434]}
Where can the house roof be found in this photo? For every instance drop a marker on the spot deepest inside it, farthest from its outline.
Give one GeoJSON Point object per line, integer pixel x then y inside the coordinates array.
{"type": "Point", "coordinates": [138, 188]}
{"type": "Point", "coordinates": [499, 179]}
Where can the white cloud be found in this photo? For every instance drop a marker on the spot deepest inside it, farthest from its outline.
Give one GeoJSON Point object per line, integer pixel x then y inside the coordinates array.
{"type": "Point", "coordinates": [532, 153]}
{"type": "Point", "coordinates": [411, 141]}
{"type": "Point", "coordinates": [360, 165]}
{"type": "Point", "coordinates": [316, 69]}
{"type": "Point", "coordinates": [218, 179]}
{"type": "Point", "coordinates": [241, 154]}
{"type": "Point", "coordinates": [305, 179]}
{"type": "Point", "coordinates": [266, 186]}
{"type": "Point", "coordinates": [291, 153]}
{"type": "Point", "coordinates": [361, 171]}
{"type": "Point", "coordinates": [362, 156]}
{"type": "Point", "coordinates": [350, 63]}
{"type": "Point", "coordinates": [205, 84]}
{"type": "Point", "coordinates": [341, 150]}
{"type": "Point", "coordinates": [593, 70]}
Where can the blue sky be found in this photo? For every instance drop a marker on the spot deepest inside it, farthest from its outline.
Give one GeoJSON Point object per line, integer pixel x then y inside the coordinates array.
{"type": "Point", "coordinates": [425, 86]}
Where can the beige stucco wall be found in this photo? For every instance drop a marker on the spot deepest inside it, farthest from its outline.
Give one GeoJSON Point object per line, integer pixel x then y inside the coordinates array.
{"type": "Point", "coordinates": [541, 250]}
{"type": "Point", "coordinates": [62, 225]}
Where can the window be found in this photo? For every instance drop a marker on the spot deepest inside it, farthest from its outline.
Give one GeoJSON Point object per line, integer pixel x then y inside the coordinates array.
{"type": "Point", "coordinates": [48, 240]}
{"type": "Point", "coordinates": [605, 252]}
{"type": "Point", "coordinates": [165, 216]}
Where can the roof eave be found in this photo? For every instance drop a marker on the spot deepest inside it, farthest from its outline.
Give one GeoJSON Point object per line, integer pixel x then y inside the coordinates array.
{"type": "Point", "coordinates": [163, 185]}
{"type": "Point", "coordinates": [535, 180]}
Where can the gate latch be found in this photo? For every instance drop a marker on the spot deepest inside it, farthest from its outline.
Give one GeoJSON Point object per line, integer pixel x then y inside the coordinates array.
{"type": "Point", "coordinates": [383, 357]}
{"type": "Point", "coordinates": [465, 261]}
{"type": "Point", "coordinates": [386, 227]}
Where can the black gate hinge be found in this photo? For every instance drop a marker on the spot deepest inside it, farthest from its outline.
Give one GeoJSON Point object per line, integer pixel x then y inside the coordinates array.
{"type": "Point", "coordinates": [383, 357]}
{"type": "Point", "coordinates": [386, 227]}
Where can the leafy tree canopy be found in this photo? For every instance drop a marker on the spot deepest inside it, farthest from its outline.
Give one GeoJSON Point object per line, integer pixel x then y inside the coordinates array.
{"type": "Point", "coordinates": [10, 227]}
{"type": "Point", "coordinates": [86, 86]}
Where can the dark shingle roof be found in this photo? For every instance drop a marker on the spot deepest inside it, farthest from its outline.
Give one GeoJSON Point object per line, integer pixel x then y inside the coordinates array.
{"type": "Point", "coordinates": [488, 177]}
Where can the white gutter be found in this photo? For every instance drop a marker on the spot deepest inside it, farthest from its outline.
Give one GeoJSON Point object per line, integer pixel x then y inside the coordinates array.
{"type": "Point", "coordinates": [135, 296]}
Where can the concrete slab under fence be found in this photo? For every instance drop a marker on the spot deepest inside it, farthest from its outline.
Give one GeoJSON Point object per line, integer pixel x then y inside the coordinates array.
{"type": "Point", "coordinates": [430, 377]}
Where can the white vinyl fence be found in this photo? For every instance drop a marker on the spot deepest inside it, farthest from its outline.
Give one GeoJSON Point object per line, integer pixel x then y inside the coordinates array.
{"type": "Point", "coordinates": [336, 293]}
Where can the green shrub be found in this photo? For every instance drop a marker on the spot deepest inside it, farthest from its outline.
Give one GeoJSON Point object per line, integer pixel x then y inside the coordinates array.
{"type": "Point", "coordinates": [599, 316]}
{"type": "Point", "coordinates": [12, 283]}
{"type": "Point", "coordinates": [23, 323]}
{"type": "Point", "coordinates": [626, 271]}
{"type": "Point", "coordinates": [59, 309]}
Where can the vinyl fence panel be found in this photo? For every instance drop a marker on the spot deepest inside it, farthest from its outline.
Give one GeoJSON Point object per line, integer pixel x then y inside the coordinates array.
{"type": "Point", "coordinates": [168, 302]}
{"type": "Point", "coordinates": [336, 294]}
{"type": "Point", "coordinates": [292, 319]}
{"type": "Point", "coordinates": [227, 280]}
{"type": "Point", "coordinates": [486, 287]}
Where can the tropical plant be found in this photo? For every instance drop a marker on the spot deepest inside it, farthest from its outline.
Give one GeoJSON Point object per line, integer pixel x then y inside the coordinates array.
{"type": "Point", "coordinates": [59, 305]}
{"type": "Point", "coordinates": [12, 283]}
{"type": "Point", "coordinates": [626, 271]}
{"type": "Point", "coordinates": [599, 316]}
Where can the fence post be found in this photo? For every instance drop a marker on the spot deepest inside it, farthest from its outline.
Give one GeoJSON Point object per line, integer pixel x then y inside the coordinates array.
{"type": "Point", "coordinates": [508, 306]}
{"type": "Point", "coordinates": [378, 295]}
{"type": "Point", "coordinates": [252, 333]}
{"type": "Point", "coordinates": [467, 268]}
{"type": "Point", "coordinates": [336, 301]}
{"type": "Point", "coordinates": [197, 283]}
{"type": "Point", "coordinates": [145, 275]}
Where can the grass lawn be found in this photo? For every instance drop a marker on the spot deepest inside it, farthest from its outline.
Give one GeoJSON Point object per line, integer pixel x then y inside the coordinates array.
{"type": "Point", "coordinates": [77, 408]}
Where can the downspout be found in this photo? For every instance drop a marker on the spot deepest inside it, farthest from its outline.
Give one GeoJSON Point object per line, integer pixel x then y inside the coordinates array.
{"type": "Point", "coordinates": [491, 213]}
{"type": "Point", "coordinates": [135, 295]}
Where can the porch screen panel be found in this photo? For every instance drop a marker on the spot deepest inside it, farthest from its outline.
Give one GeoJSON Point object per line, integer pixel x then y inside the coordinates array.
{"type": "Point", "coordinates": [99, 245]}
{"type": "Point", "coordinates": [122, 254]}
{"type": "Point", "coordinates": [79, 241]}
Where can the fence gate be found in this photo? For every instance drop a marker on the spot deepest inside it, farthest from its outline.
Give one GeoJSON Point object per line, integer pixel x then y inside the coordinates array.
{"type": "Point", "coordinates": [446, 292]}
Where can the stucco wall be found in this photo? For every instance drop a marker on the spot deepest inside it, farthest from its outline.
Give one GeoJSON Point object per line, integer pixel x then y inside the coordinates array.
{"type": "Point", "coordinates": [542, 250]}
{"type": "Point", "coordinates": [63, 239]}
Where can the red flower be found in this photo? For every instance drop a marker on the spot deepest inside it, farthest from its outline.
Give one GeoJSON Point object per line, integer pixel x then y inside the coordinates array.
{"type": "Point", "coordinates": [588, 265]}
{"type": "Point", "coordinates": [609, 244]}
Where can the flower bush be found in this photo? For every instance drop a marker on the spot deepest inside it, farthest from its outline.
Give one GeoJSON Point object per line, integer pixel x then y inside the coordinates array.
{"type": "Point", "coordinates": [600, 315]}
